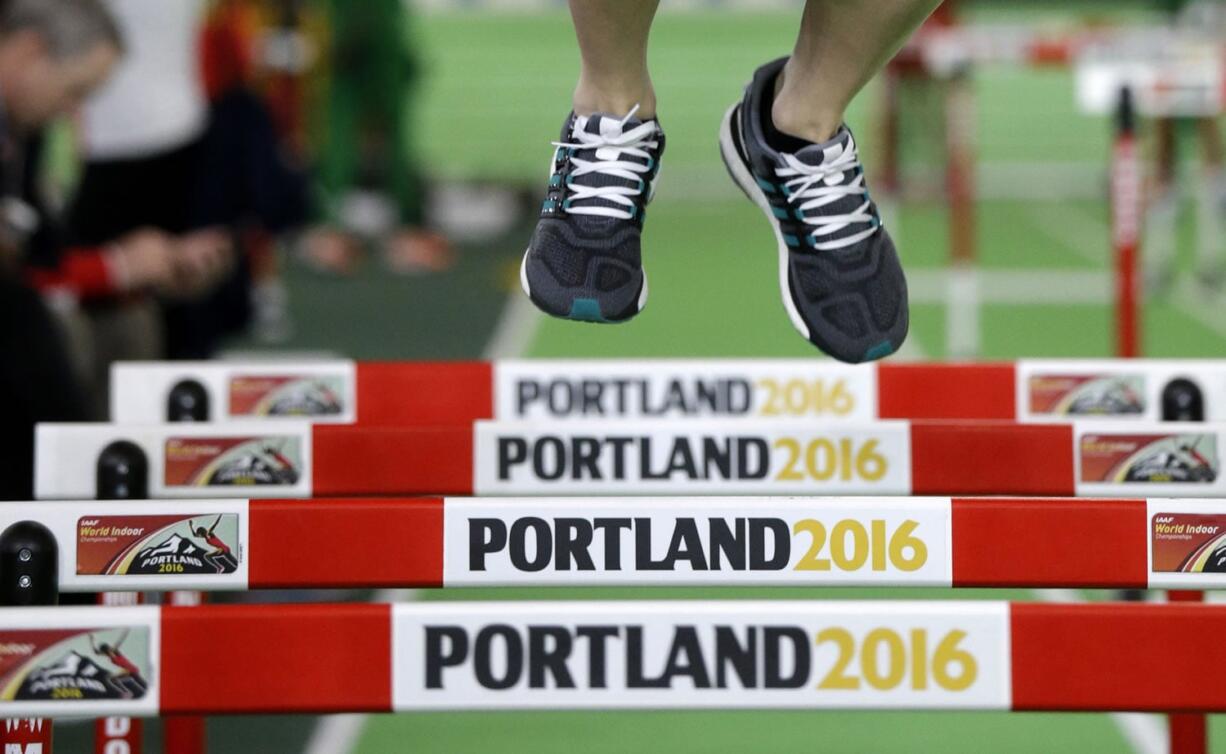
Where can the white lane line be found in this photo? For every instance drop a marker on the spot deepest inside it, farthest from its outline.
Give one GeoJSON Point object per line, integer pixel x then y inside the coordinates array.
{"type": "Point", "coordinates": [1147, 734]}
{"type": "Point", "coordinates": [1017, 287]}
{"type": "Point", "coordinates": [1200, 304]}
{"type": "Point", "coordinates": [963, 312]}
{"type": "Point", "coordinates": [1191, 299]}
{"type": "Point", "coordinates": [516, 328]}
{"type": "Point", "coordinates": [340, 734]}
{"type": "Point", "coordinates": [1058, 596]}
{"type": "Point", "coordinates": [1075, 227]}
{"type": "Point", "coordinates": [1045, 183]}
{"type": "Point", "coordinates": [336, 734]}
{"type": "Point", "coordinates": [911, 350]}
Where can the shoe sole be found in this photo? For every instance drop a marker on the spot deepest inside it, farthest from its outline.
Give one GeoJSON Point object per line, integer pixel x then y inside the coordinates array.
{"type": "Point", "coordinates": [743, 178]}
{"type": "Point", "coordinates": [590, 307]}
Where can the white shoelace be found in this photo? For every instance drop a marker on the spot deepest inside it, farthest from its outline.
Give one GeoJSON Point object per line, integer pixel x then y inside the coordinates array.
{"type": "Point", "coordinates": [817, 186]}
{"type": "Point", "coordinates": [609, 153]}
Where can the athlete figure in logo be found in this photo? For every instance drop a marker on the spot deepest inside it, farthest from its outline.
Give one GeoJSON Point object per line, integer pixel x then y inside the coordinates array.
{"type": "Point", "coordinates": [128, 682]}
{"type": "Point", "coordinates": [307, 399]}
{"type": "Point", "coordinates": [1183, 464]}
{"type": "Point", "coordinates": [221, 551]}
{"type": "Point", "coordinates": [327, 402]}
{"type": "Point", "coordinates": [284, 473]}
{"type": "Point", "coordinates": [1203, 470]}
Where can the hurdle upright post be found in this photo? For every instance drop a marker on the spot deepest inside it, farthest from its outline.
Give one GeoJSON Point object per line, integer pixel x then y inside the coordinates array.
{"type": "Point", "coordinates": [119, 733]}
{"type": "Point", "coordinates": [962, 310]}
{"type": "Point", "coordinates": [1182, 401]}
{"type": "Point", "coordinates": [186, 734]}
{"type": "Point", "coordinates": [29, 577]}
{"type": "Point", "coordinates": [1187, 732]}
{"type": "Point", "coordinates": [1125, 226]}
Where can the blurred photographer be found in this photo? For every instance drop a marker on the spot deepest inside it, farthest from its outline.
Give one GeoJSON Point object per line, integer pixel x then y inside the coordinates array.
{"type": "Point", "coordinates": [53, 53]}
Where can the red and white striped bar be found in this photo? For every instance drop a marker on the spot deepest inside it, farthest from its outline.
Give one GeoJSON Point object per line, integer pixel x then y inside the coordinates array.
{"type": "Point", "coordinates": [146, 661]}
{"type": "Point", "coordinates": [947, 48]}
{"type": "Point", "coordinates": [430, 393]}
{"type": "Point", "coordinates": [660, 457]}
{"type": "Point", "coordinates": [449, 542]}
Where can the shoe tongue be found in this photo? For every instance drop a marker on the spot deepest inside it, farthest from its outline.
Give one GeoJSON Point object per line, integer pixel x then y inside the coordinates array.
{"type": "Point", "coordinates": [826, 151]}
{"type": "Point", "coordinates": [605, 125]}
{"type": "Point", "coordinates": [608, 126]}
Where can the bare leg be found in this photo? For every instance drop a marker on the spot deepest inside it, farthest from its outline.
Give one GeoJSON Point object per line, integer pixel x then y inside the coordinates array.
{"type": "Point", "coordinates": [841, 46]}
{"type": "Point", "coordinates": [613, 46]}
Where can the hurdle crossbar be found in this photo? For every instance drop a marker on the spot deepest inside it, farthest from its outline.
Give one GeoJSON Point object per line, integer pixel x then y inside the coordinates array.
{"type": "Point", "coordinates": [645, 458]}
{"type": "Point", "coordinates": [611, 655]}
{"type": "Point", "coordinates": [447, 542]}
{"type": "Point", "coordinates": [394, 394]}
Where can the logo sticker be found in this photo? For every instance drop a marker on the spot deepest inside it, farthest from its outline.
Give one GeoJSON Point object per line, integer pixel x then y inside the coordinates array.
{"type": "Point", "coordinates": [153, 545]}
{"type": "Point", "coordinates": [1087, 395]}
{"type": "Point", "coordinates": [1183, 458]}
{"type": "Point", "coordinates": [74, 664]}
{"type": "Point", "coordinates": [271, 395]}
{"type": "Point", "coordinates": [644, 541]}
{"type": "Point", "coordinates": [233, 461]}
{"type": "Point", "coordinates": [1188, 543]}
{"type": "Point", "coordinates": [551, 390]}
{"type": "Point", "coordinates": [650, 656]}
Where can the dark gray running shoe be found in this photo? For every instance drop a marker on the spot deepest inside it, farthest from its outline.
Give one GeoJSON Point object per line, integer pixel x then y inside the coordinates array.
{"type": "Point", "coordinates": [584, 261]}
{"type": "Point", "coordinates": [842, 284]}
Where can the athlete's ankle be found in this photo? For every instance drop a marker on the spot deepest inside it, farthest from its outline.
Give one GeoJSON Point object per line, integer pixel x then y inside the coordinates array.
{"type": "Point", "coordinates": [796, 112]}
{"type": "Point", "coordinates": [590, 98]}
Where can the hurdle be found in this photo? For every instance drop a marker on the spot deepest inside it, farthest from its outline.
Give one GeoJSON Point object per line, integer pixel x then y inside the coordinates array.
{"type": "Point", "coordinates": [1036, 457]}
{"type": "Point", "coordinates": [404, 394]}
{"type": "Point", "coordinates": [1106, 458]}
{"type": "Point", "coordinates": [129, 546]}
{"type": "Point", "coordinates": [618, 655]}
{"type": "Point", "coordinates": [1120, 72]}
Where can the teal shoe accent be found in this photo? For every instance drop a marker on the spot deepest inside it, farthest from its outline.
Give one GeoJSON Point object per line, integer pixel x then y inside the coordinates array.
{"type": "Point", "coordinates": [879, 351]}
{"type": "Point", "coordinates": [791, 240]}
{"type": "Point", "coordinates": [586, 310]}
{"type": "Point", "coordinates": [766, 185]}
{"type": "Point", "coordinates": [780, 212]}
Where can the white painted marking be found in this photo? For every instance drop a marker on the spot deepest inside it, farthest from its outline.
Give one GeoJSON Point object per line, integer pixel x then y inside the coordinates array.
{"type": "Point", "coordinates": [517, 326]}
{"type": "Point", "coordinates": [336, 734]}
{"type": "Point", "coordinates": [1017, 287]}
{"type": "Point", "coordinates": [962, 312]}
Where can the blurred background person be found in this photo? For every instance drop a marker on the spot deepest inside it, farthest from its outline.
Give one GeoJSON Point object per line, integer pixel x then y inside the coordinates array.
{"type": "Point", "coordinates": [371, 187]}
{"type": "Point", "coordinates": [53, 53]}
{"type": "Point", "coordinates": [140, 140]}
{"type": "Point", "coordinates": [255, 123]}
{"type": "Point", "coordinates": [158, 151]}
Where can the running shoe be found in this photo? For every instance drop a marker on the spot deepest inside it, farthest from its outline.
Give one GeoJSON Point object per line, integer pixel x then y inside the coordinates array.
{"type": "Point", "coordinates": [584, 261]}
{"type": "Point", "coordinates": [840, 277]}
